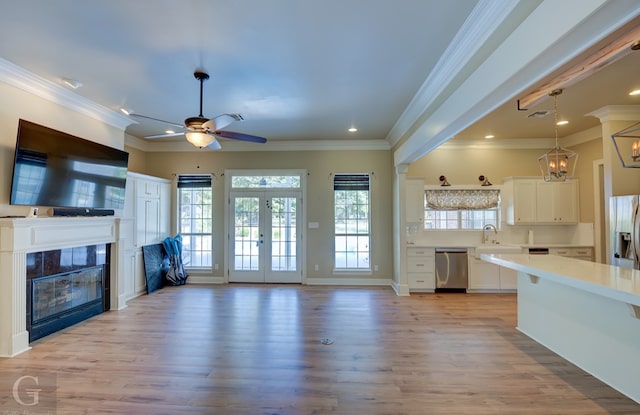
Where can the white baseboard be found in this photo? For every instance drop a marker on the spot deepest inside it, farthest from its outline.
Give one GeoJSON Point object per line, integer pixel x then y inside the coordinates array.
{"type": "Point", "coordinates": [349, 281]}
{"type": "Point", "coordinates": [197, 279]}
{"type": "Point", "coordinates": [400, 289]}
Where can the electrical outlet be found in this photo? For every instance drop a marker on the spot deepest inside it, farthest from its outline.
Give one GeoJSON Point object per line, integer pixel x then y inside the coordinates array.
{"type": "Point", "coordinates": [215, 266]}
{"type": "Point", "coordinates": [316, 267]}
{"type": "Point", "coordinates": [375, 268]}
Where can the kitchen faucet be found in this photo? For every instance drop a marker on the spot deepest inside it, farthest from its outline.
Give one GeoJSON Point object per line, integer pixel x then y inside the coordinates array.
{"type": "Point", "coordinates": [485, 228]}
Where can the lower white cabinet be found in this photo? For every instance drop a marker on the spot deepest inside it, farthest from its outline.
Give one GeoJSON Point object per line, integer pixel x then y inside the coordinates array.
{"type": "Point", "coordinates": [140, 280]}
{"type": "Point", "coordinates": [421, 269]}
{"type": "Point", "coordinates": [484, 276]}
{"type": "Point", "coordinates": [585, 254]}
{"type": "Point", "coordinates": [508, 279]}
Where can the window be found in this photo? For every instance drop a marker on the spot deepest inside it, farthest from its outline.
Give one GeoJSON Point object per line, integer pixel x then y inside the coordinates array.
{"type": "Point", "coordinates": [461, 209]}
{"type": "Point", "coordinates": [196, 219]}
{"type": "Point", "coordinates": [351, 198]}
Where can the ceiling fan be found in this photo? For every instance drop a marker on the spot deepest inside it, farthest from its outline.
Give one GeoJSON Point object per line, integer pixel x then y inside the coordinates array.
{"type": "Point", "coordinates": [201, 131]}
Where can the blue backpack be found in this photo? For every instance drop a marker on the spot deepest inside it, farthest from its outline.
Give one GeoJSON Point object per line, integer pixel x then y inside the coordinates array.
{"type": "Point", "coordinates": [176, 274]}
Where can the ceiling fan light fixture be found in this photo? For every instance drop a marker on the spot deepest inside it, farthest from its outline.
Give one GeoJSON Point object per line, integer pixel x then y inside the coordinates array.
{"type": "Point", "coordinates": [199, 139]}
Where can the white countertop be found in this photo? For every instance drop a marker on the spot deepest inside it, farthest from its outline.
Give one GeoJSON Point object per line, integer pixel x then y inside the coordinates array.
{"type": "Point", "coordinates": [617, 283]}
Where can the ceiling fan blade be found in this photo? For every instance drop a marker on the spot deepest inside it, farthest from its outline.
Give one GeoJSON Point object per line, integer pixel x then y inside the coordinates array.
{"type": "Point", "coordinates": [164, 135]}
{"type": "Point", "coordinates": [157, 120]}
{"type": "Point", "coordinates": [240, 136]}
{"type": "Point", "coordinates": [215, 145]}
{"type": "Point", "coordinates": [221, 121]}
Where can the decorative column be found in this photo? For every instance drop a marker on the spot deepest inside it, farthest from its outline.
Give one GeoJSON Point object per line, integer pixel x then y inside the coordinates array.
{"type": "Point", "coordinates": [14, 337]}
{"type": "Point", "coordinates": [400, 279]}
{"type": "Point", "coordinates": [618, 181]}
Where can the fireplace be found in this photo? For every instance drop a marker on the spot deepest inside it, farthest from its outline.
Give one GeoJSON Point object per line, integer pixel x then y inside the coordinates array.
{"type": "Point", "coordinates": [23, 242]}
{"type": "Point", "coordinates": [65, 286]}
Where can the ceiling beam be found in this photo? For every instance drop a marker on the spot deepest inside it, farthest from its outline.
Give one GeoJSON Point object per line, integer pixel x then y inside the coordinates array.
{"type": "Point", "coordinates": [602, 58]}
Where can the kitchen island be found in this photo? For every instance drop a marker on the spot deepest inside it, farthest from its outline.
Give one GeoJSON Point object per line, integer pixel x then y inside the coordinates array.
{"type": "Point", "coordinates": [586, 312]}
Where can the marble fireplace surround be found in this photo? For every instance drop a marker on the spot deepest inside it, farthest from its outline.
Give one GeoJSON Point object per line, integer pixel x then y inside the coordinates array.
{"type": "Point", "coordinates": [19, 236]}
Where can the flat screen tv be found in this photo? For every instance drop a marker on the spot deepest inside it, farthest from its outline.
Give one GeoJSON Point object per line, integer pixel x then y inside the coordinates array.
{"type": "Point", "coordinates": [55, 169]}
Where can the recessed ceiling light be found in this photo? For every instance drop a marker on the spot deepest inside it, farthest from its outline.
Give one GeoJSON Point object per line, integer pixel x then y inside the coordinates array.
{"type": "Point", "coordinates": [71, 83]}
{"type": "Point", "coordinates": [124, 111]}
{"type": "Point", "coordinates": [169, 132]}
{"type": "Point", "coordinates": [635, 92]}
{"type": "Point", "coordinates": [489, 136]}
{"type": "Point", "coordinates": [562, 122]}
{"type": "Point", "coordinates": [352, 129]}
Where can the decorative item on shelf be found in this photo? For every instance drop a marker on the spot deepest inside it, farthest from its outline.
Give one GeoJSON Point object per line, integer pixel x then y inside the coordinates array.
{"type": "Point", "coordinates": [485, 181]}
{"type": "Point", "coordinates": [627, 145]}
{"type": "Point", "coordinates": [558, 163]}
{"type": "Point", "coordinates": [443, 181]}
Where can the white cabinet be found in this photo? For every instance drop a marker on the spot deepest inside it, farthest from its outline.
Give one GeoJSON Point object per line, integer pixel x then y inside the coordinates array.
{"type": "Point", "coordinates": [557, 202]}
{"type": "Point", "coordinates": [484, 276]}
{"type": "Point", "coordinates": [414, 207]}
{"type": "Point", "coordinates": [522, 206]}
{"type": "Point", "coordinates": [421, 269]}
{"type": "Point", "coordinates": [152, 207]}
{"type": "Point", "coordinates": [534, 201]}
{"type": "Point", "coordinates": [585, 254]}
{"type": "Point", "coordinates": [148, 207]}
{"type": "Point", "coordinates": [140, 280]}
{"type": "Point", "coordinates": [508, 279]}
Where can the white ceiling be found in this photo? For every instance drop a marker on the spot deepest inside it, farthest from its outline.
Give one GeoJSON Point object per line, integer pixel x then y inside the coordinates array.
{"type": "Point", "coordinates": [296, 69]}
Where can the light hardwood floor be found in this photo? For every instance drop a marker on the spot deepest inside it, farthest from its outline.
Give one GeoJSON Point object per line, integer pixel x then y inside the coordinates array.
{"type": "Point", "coordinates": [256, 349]}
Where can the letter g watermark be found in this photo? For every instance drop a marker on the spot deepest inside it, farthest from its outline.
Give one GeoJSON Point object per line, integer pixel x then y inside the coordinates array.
{"type": "Point", "coordinates": [31, 392]}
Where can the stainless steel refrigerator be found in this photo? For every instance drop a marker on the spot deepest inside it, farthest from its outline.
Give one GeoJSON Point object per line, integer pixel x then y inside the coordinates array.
{"type": "Point", "coordinates": [624, 231]}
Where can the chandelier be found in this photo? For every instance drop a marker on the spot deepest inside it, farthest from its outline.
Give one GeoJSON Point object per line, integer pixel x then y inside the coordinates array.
{"type": "Point", "coordinates": [558, 163]}
{"type": "Point", "coordinates": [627, 144]}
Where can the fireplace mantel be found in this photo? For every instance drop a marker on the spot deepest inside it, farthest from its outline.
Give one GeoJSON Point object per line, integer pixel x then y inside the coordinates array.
{"type": "Point", "coordinates": [19, 236]}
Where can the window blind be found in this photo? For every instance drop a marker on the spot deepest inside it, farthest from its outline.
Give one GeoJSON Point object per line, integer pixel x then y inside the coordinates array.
{"type": "Point", "coordinates": [462, 199]}
{"type": "Point", "coordinates": [194, 180]}
{"type": "Point", "coordinates": [351, 182]}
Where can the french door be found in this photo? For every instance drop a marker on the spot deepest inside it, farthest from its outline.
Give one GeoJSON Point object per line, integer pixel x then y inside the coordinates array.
{"type": "Point", "coordinates": [264, 243]}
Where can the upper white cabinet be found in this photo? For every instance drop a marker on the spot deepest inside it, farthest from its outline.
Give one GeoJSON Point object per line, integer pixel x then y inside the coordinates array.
{"type": "Point", "coordinates": [521, 206]}
{"type": "Point", "coordinates": [530, 201]}
{"type": "Point", "coordinates": [557, 202]}
{"type": "Point", "coordinates": [152, 206]}
{"type": "Point", "coordinates": [415, 200]}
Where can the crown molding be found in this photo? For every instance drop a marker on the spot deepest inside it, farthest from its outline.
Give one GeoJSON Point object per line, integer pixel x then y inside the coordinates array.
{"type": "Point", "coordinates": [283, 145]}
{"type": "Point", "coordinates": [581, 137]}
{"type": "Point", "coordinates": [19, 77]}
{"type": "Point", "coordinates": [483, 21]}
{"type": "Point", "coordinates": [506, 144]}
{"type": "Point", "coordinates": [592, 133]}
{"type": "Point", "coordinates": [617, 113]}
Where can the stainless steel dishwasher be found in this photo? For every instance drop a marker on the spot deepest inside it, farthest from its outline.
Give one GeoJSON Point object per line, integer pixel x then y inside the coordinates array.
{"type": "Point", "coordinates": [452, 270]}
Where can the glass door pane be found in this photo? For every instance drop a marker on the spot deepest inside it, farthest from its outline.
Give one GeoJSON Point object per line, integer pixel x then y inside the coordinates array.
{"type": "Point", "coordinates": [283, 246]}
{"type": "Point", "coordinates": [248, 239]}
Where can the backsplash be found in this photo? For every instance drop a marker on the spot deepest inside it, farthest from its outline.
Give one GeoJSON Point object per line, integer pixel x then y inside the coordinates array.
{"type": "Point", "coordinates": [580, 234]}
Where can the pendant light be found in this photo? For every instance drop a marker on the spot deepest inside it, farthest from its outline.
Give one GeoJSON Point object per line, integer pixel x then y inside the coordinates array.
{"type": "Point", "coordinates": [627, 145]}
{"type": "Point", "coordinates": [558, 163]}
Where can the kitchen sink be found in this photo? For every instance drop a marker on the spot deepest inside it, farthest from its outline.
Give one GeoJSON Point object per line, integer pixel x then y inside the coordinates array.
{"type": "Point", "coordinates": [497, 249]}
